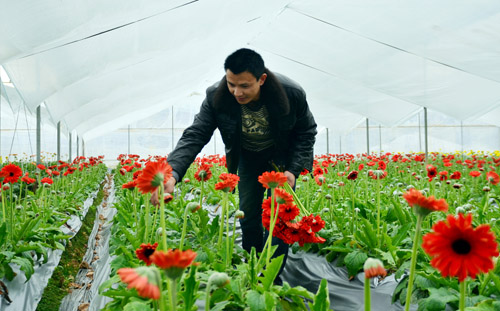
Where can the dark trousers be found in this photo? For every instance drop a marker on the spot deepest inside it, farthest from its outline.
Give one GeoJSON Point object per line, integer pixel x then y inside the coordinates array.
{"type": "Point", "coordinates": [251, 194]}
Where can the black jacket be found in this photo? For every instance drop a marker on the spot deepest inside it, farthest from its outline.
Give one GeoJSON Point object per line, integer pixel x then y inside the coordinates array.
{"type": "Point", "coordinates": [292, 126]}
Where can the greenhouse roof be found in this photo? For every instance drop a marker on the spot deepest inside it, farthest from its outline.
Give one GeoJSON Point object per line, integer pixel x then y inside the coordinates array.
{"type": "Point", "coordinates": [98, 66]}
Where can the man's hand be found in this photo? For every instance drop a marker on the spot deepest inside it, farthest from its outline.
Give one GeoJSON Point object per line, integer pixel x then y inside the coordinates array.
{"type": "Point", "coordinates": [167, 188]}
{"type": "Point", "coordinates": [290, 178]}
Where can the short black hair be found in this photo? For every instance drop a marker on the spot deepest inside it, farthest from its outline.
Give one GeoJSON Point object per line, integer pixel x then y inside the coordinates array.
{"type": "Point", "coordinates": [245, 60]}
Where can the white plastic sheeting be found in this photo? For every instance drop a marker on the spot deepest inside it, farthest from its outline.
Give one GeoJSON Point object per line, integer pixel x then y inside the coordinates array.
{"type": "Point", "coordinates": [100, 65]}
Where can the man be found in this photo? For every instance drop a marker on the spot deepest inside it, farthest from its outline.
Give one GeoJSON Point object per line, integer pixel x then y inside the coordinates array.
{"type": "Point", "coordinates": [263, 118]}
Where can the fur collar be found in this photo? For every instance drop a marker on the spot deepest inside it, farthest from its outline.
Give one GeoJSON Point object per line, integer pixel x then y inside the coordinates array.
{"type": "Point", "coordinates": [272, 93]}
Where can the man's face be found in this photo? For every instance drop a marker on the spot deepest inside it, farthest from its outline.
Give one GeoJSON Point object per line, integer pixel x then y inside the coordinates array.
{"type": "Point", "coordinates": [244, 86]}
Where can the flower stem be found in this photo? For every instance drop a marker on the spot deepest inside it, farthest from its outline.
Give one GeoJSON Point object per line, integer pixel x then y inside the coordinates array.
{"type": "Point", "coordinates": [367, 294]}
{"type": "Point", "coordinates": [353, 217]}
{"type": "Point", "coordinates": [228, 252]}
{"type": "Point", "coordinates": [207, 296]}
{"type": "Point", "coordinates": [221, 221]}
{"type": "Point", "coordinates": [162, 219]}
{"type": "Point", "coordinates": [462, 296]}
{"type": "Point", "coordinates": [184, 225]}
{"type": "Point", "coordinates": [378, 213]}
{"type": "Point", "coordinates": [413, 263]}
{"type": "Point", "coordinates": [271, 227]}
{"type": "Point", "coordinates": [173, 293]}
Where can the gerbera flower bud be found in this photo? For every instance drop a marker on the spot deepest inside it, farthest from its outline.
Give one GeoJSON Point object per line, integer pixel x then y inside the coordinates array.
{"type": "Point", "coordinates": [305, 179]}
{"type": "Point", "coordinates": [219, 279]}
{"type": "Point", "coordinates": [193, 206]}
{"type": "Point", "coordinates": [6, 187]}
{"type": "Point", "coordinates": [187, 180]}
{"type": "Point", "coordinates": [374, 268]}
{"type": "Point", "coordinates": [486, 189]}
{"type": "Point", "coordinates": [328, 196]}
{"type": "Point", "coordinates": [167, 198]}
{"type": "Point", "coordinates": [239, 214]}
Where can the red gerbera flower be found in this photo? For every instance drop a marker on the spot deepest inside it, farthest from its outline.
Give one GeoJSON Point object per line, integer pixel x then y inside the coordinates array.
{"type": "Point", "coordinates": [431, 171]}
{"type": "Point", "coordinates": [475, 173]}
{"type": "Point", "coordinates": [47, 180]}
{"type": "Point", "coordinates": [493, 177]}
{"type": "Point", "coordinates": [283, 197]}
{"type": "Point", "coordinates": [443, 175]}
{"type": "Point", "coordinates": [11, 173]}
{"type": "Point", "coordinates": [203, 173]}
{"type": "Point", "coordinates": [173, 261]}
{"type": "Point", "coordinates": [145, 280]}
{"type": "Point", "coordinates": [353, 175]}
{"type": "Point", "coordinates": [130, 185]}
{"type": "Point", "coordinates": [456, 175]}
{"type": "Point", "coordinates": [320, 179]}
{"type": "Point", "coordinates": [41, 167]}
{"type": "Point", "coordinates": [382, 165]}
{"type": "Point", "coordinates": [228, 183]}
{"type": "Point", "coordinates": [145, 251]}
{"type": "Point", "coordinates": [457, 249]}
{"type": "Point", "coordinates": [272, 179]}
{"type": "Point", "coordinates": [153, 175]}
{"type": "Point", "coordinates": [28, 180]}
{"type": "Point", "coordinates": [423, 205]}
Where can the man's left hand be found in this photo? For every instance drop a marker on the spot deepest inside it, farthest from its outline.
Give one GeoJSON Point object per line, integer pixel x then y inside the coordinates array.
{"type": "Point", "coordinates": [290, 178]}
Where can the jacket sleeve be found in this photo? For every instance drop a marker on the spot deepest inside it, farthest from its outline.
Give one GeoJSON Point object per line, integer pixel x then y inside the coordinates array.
{"type": "Point", "coordinates": [301, 154]}
{"type": "Point", "coordinates": [193, 139]}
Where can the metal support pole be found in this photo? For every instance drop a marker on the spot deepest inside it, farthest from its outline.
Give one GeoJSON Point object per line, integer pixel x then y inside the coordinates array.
{"type": "Point", "coordinates": [172, 128]}
{"type": "Point", "coordinates": [340, 144]}
{"type": "Point", "coordinates": [128, 139]}
{"type": "Point", "coordinates": [419, 134]}
{"type": "Point", "coordinates": [426, 135]}
{"type": "Point", "coordinates": [70, 147]}
{"type": "Point", "coordinates": [38, 134]}
{"type": "Point", "coordinates": [327, 142]}
{"type": "Point", "coordinates": [58, 141]}
{"type": "Point", "coordinates": [77, 146]}
{"type": "Point", "coordinates": [83, 147]}
{"type": "Point", "coordinates": [367, 137]}
{"type": "Point", "coordinates": [462, 137]}
{"type": "Point", "coordinates": [380, 137]}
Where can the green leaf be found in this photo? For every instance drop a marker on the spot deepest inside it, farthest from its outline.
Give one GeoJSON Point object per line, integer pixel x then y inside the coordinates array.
{"type": "Point", "coordinates": [438, 299]}
{"type": "Point", "coordinates": [270, 300]}
{"type": "Point", "coordinates": [322, 298]}
{"type": "Point", "coordinates": [137, 306]}
{"type": "Point", "coordinates": [189, 293]}
{"type": "Point", "coordinates": [25, 265]}
{"type": "Point", "coordinates": [108, 283]}
{"type": "Point", "coordinates": [130, 237]}
{"type": "Point", "coordinates": [3, 234]}
{"type": "Point", "coordinates": [486, 305]}
{"type": "Point", "coordinates": [367, 235]}
{"type": "Point", "coordinates": [354, 261]}
{"type": "Point", "coordinates": [255, 301]}
{"type": "Point", "coordinates": [271, 272]}
{"type": "Point", "coordinates": [219, 306]}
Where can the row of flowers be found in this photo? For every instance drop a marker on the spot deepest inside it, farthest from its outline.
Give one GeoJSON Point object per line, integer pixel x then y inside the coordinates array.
{"type": "Point", "coordinates": [179, 234]}
{"type": "Point", "coordinates": [36, 201]}
{"type": "Point", "coordinates": [351, 208]}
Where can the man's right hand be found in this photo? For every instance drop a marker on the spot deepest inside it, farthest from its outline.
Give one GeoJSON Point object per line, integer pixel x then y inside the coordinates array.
{"type": "Point", "coordinates": [167, 188]}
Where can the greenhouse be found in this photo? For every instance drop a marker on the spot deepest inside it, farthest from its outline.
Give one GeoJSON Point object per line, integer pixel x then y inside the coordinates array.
{"type": "Point", "coordinates": [249, 155]}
